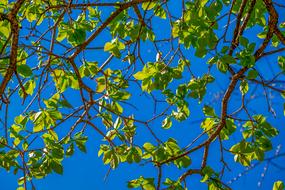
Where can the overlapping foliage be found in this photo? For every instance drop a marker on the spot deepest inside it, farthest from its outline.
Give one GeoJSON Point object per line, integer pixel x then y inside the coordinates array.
{"type": "Point", "coordinates": [67, 66]}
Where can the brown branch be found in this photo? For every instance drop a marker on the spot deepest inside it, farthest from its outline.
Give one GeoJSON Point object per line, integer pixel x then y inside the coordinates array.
{"type": "Point", "coordinates": [188, 173]}
{"type": "Point", "coordinates": [84, 5]}
{"type": "Point", "coordinates": [77, 73]}
{"type": "Point", "coordinates": [273, 51]}
{"type": "Point", "coordinates": [273, 20]}
{"type": "Point", "coordinates": [267, 85]}
{"type": "Point", "coordinates": [99, 131]}
{"type": "Point", "coordinates": [21, 86]}
{"type": "Point", "coordinates": [222, 123]}
{"type": "Point", "coordinates": [105, 24]}
{"type": "Point", "coordinates": [137, 11]}
{"type": "Point", "coordinates": [205, 156]}
{"type": "Point", "coordinates": [228, 21]}
{"type": "Point", "coordinates": [279, 5]}
{"type": "Point", "coordinates": [159, 177]}
{"type": "Point", "coordinates": [247, 17]}
{"type": "Point", "coordinates": [272, 24]}
{"type": "Point", "coordinates": [81, 47]}
{"type": "Point", "coordinates": [280, 36]}
{"type": "Point", "coordinates": [234, 43]}
{"type": "Point", "coordinates": [12, 18]}
{"type": "Point", "coordinates": [24, 170]}
{"type": "Point", "coordinates": [273, 14]}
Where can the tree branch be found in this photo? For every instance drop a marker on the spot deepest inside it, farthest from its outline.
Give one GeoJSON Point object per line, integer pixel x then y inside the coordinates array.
{"type": "Point", "coordinates": [12, 18]}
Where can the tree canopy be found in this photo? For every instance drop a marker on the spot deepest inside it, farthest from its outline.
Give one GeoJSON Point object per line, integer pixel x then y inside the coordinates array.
{"type": "Point", "coordinates": [194, 89]}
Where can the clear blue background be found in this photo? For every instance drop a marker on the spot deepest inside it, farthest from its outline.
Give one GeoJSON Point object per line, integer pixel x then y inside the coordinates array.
{"type": "Point", "coordinates": [86, 171]}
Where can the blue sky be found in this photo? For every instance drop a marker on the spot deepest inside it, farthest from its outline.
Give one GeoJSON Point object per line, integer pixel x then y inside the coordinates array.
{"type": "Point", "coordinates": [86, 171]}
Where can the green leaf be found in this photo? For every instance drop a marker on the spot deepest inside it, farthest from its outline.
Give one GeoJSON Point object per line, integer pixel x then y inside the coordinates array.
{"type": "Point", "coordinates": [65, 103]}
{"type": "Point", "coordinates": [203, 2]}
{"type": "Point", "coordinates": [62, 34]}
{"type": "Point", "coordinates": [225, 49]}
{"type": "Point", "coordinates": [209, 111]}
{"type": "Point", "coordinates": [108, 46]}
{"type": "Point", "coordinates": [166, 123]}
{"type": "Point", "coordinates": [200, 52]}
{"type": "Point", "coordinates": [24, 70]}
{"type": "Point", "coordinates": [5, 29]}
{"type": "Point", "coordinates": [278, 185]}
{"type": "Point", "coordinates": [228, 130]}
{"type": "Point", "coordinates": [29, 86]}
{"type": "Point", "coordinates": [70, 150]}
{"type": "Point", "coordinates": [31, 13]}
{"type": "Point", "coordinates": [252, 74]}
{"type": "Point", "coordinates": [182, 113]}
{"type": "Point", "coordinates": [38, 126]}
{"type": "Point", "coordinates": [21, 120]}
{"type": "Point", "coordinates": [243, 87]}
{"type": "Point", "coordinates": [148, 147]}
{"type": "Point", "coordinates": [80, 141]}
{"type": "Point", "coordinates": [53, 101]}
{"type": "Point", "coordinates": [76, 36]}
{"type": "Point", "coordinates": [209, 124]}
{"type": "Point", "coordinates": [148, 5]}
{"type": "Point", "coordinates": [114, 47]}
{"type": "Point", "coordinates": [262, 35]}
{"type": "Point", "coordinates": [207, 173]}
{"type": "Point", "coordinates": [212, 60]}
{"type": "Point", "coordinates": [160, 12]}
{"type": "Point", "coordinates": [140, 75]}
{"type": "Point", "coordinates": [228, 59]}
{"type": "Point", "coordinates": [94, 13]}
{"type": "Point", "coordinates": [223, 67]}
{"type": "Point", "coordinates": [281, 62]}
{"type": "Point", "coordinates": [147, 72]}
{"type": "Point", "coordinates": [183, 162]}
{"type": "Point", "coordinates": [57, 167]}
{"type": "Point", "coordinates": [145, 183]}
{"type": "Point", "coordinates": [243, 41]}
{"type": "Point", "coordinates": [173, 184]}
